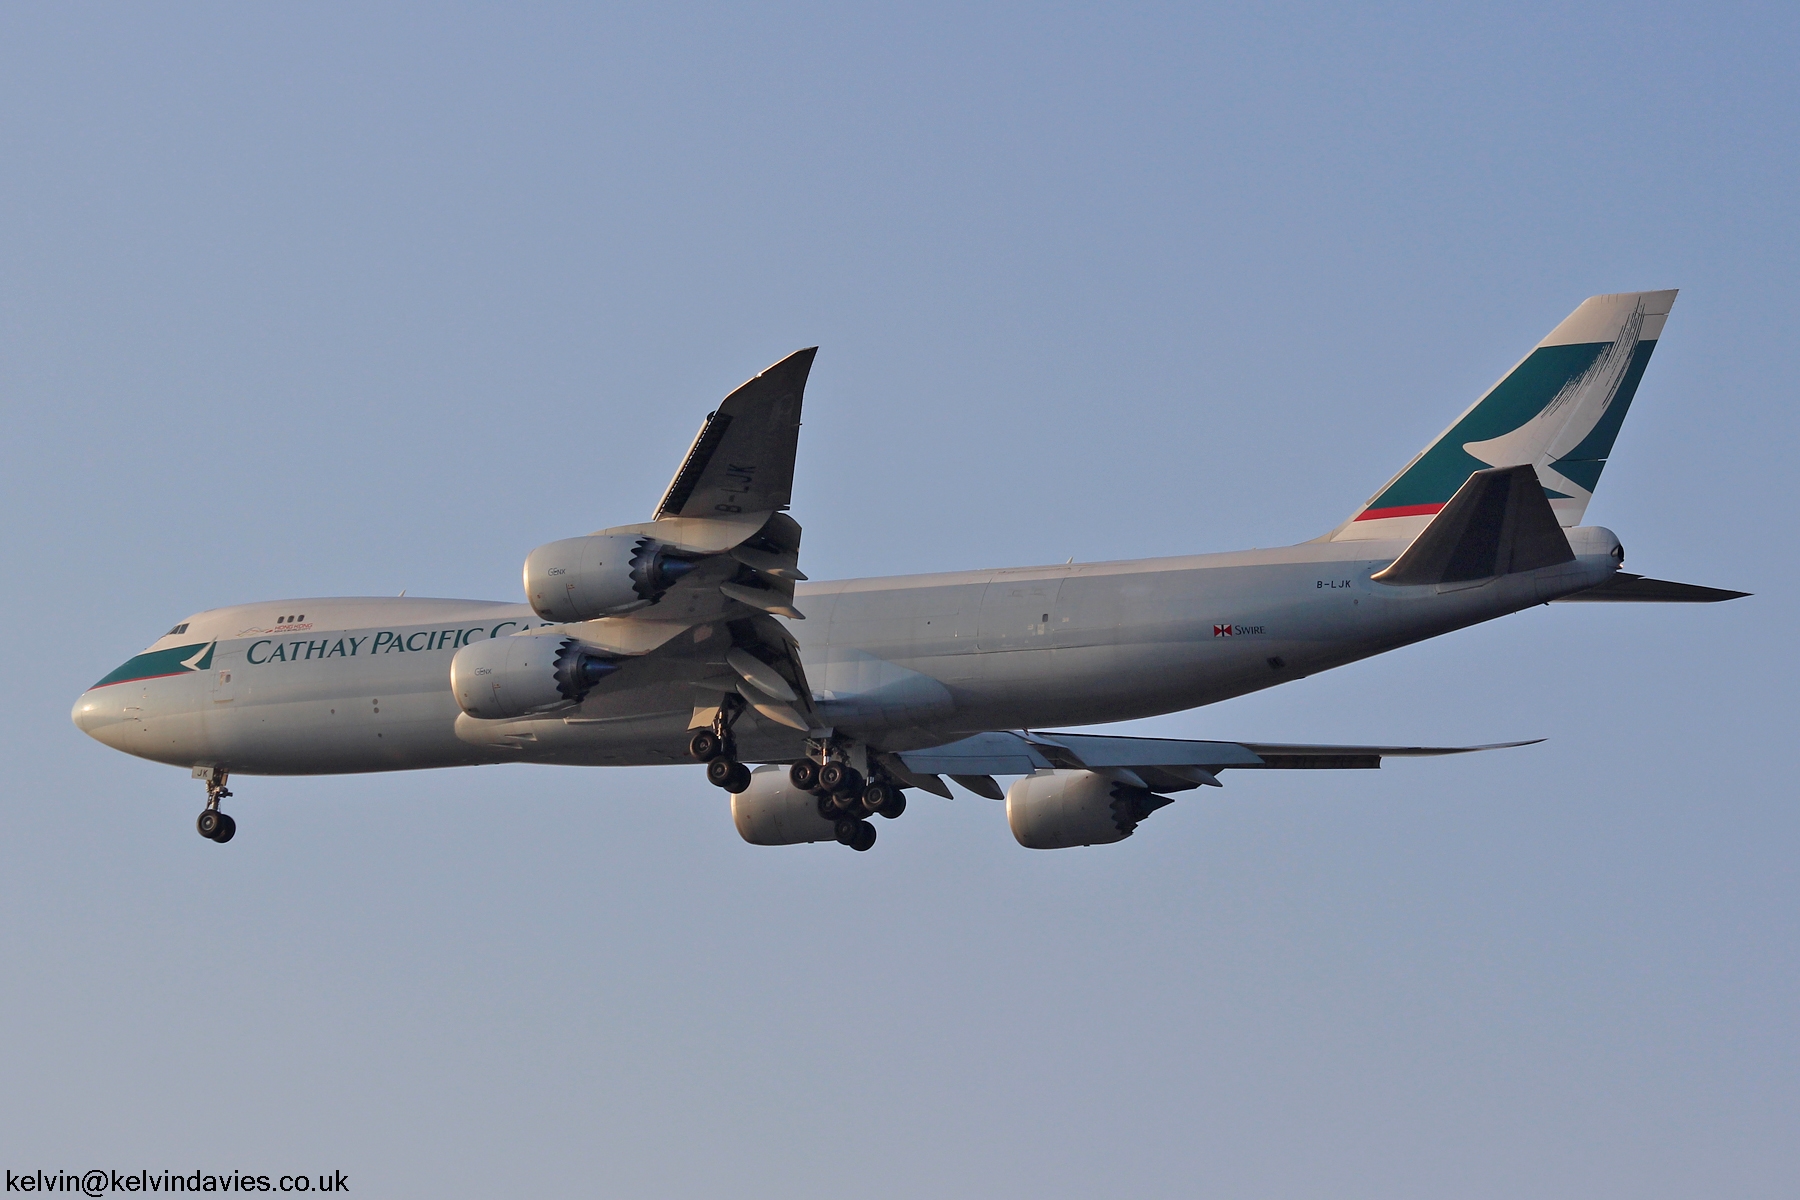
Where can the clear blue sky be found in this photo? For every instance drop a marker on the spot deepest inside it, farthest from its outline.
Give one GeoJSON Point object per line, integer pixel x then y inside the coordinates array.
{"type": "Point", "coordinates": [345, 299]}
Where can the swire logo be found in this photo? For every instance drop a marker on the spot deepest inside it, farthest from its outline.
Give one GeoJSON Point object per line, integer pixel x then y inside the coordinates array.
{"type": "Point", "coordinates": [1221, 631]}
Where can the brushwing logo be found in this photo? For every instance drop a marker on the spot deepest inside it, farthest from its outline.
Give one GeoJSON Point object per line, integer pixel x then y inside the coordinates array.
{"type": "Point", "coordinates": [1221, 631]}
{"type": "Point", "coordinates": [1556, 431]}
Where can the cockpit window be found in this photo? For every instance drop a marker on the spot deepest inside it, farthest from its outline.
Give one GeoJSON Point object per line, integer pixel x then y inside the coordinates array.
{"type": "Point", "coordinates": [181, 628]}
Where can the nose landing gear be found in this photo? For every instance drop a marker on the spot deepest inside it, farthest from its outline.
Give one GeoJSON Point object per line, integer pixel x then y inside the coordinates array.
{"type": "Point", "coordinates": [214, 825]}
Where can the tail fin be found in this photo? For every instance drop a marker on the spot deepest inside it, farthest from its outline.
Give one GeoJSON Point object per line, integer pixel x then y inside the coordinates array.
{"type": "Point", "coordinates": [1558, 410]}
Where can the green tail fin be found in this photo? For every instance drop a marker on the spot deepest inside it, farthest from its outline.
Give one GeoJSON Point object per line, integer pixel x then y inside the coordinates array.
{"type": "Point", "coordinates": [1559, 410]}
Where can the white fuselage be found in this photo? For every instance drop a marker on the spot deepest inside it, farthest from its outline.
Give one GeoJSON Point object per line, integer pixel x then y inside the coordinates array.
{"type": "Point", "coordinates": [899, 663]}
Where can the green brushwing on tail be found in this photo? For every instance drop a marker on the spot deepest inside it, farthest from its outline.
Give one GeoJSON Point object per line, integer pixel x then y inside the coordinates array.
{"type": "Point", "coordinates": [1559, 410]}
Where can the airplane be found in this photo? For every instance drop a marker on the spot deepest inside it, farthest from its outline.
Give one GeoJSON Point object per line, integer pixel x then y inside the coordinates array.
{"type": "Point", "coordinates": [694, 637]}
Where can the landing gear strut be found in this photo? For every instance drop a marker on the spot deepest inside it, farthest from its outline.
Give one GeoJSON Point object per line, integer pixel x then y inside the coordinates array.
{"type": "Point", "coordinates": [215, 825]}
{"type": "Point", "coordinates": [718, 749]}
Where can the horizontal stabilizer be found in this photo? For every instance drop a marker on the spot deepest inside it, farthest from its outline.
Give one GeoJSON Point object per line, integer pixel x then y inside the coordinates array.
{"type": "Point", "coordinates": [1638, 590]}
{"type": "Point", "coordinates": [1498, 523]}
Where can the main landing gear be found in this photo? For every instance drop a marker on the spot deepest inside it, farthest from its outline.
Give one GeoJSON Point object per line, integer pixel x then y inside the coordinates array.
{"type": "Point", "coordinates": [213, 824]}
{"type": "Point", "coordinates": [846, 798]}
{"type": "Point", "coordinates": [718, 749]}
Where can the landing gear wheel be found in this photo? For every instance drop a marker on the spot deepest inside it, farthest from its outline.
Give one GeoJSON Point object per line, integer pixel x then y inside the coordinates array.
{"type": "Point", "coordinates": [804, 775]}
{"type": "Point", "coordinates": [839, 777]}
{"type": "Point", "coordinates": [211, 820]}
{"type": "Point", "coordinates": [865, 836]}
{"type": "Point", "coordinates": [847, 830]}
{"type": "Point", "coordinates": [828, 808]}
{"type": "Point", "coordinates": [227, 829]}
{"type": "Point", "coordinates": [705, 745]}
{"type": "Point", "coordinates": [896, 806]}
{"type": "Point", "coordinates": [721, 771]}
{"type": "Point", "coordinates": [878, 796]}
{"type": "Point", "coordinates": [740, 779]}
{"type": "Point", "coordinates": [846, 804]}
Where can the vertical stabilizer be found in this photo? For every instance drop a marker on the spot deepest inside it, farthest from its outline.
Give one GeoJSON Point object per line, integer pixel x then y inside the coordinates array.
{"type": "Point", "coordinates": [1558, 411]}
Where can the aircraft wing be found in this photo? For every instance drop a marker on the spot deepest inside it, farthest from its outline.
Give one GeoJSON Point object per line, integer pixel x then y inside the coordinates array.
{"type": "Point", "coordinates": [723, 516]}
{"type": "Point", "coordinates": [742, 460]}
{"type": "Point", "coordinates": [711, 632]}
{"type": "Point", "coordinates": [663, 666]}
{"type": "Point", "coordinates": [1161, 764]}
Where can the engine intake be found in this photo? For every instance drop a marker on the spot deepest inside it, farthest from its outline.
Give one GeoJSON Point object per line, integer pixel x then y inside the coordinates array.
{"type": "Point", "coordinates": [601, 575]}
{"type": "Point", "coordinates": [773, 812]}
{"type": "Point", "coordinates": [525, 673]}
{"type": "Point", "coordinates": [1054, 810]}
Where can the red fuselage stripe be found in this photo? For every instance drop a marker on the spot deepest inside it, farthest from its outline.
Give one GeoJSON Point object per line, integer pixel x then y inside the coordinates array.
{"type": "Point", "coordinates": [1404, 510]}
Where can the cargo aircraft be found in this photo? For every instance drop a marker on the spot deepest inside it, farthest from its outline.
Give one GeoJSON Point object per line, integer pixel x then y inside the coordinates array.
{"type": "Point", "coordinates": [695, 637]}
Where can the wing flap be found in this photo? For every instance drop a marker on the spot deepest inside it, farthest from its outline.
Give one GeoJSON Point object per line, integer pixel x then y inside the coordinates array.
{"type": "Point", "coordinates": [1174, 763]}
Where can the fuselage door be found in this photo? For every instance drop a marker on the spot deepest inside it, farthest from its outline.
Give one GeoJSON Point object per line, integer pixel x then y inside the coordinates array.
{"type": "Point", "coordinates": [225, 681]}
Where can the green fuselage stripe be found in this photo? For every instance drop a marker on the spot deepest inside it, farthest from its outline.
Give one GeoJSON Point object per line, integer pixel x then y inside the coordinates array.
{"type": "Point", "coordinates": [158, 663]}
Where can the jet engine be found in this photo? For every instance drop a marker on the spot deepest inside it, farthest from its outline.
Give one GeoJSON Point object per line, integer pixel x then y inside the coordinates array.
{"type": "Point", "coordinates": [1053, 810]}
{"type": "Point", "coordinates": [604, 574]}
{"type": "Point", "coordinates": [525, 673]}
{"type": "Point", "coordinates": [773, 812]}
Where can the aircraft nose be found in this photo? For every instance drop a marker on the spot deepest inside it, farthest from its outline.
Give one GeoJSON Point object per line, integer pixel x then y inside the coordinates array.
{"type": "Point", "coordinates": [95, 712]}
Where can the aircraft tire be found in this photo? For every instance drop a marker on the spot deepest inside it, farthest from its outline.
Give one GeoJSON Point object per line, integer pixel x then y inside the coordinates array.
{"type": "Point", "coordinates": [227, 829]}
{"type": "Point", "coordinates": [804, 775]}
{"type": "Point", "coordinates": [848, 828]}
{"type": "Point", "coordinates": [865, 836]}
{"type": "Point", "coordinates": [721, 771]}
{"type": "Point", "coordinates": [209, 823]}
{"type": "Point", "coordinates": [705, 745]}
{"type": "Point", "coordinates": [896, 806]}
{"type": "Point", "coordinates": [877, 796]}
{"type": "Point", "coordinates": [839, 777]}
{"type": "Point", "coordinates": [740, 779]}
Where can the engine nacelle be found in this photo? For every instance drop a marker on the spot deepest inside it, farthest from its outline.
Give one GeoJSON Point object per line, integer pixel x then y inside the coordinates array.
{"type": "Point", "coordinates": [773, 812]}
{"type": "Point", "coordinates": [1054, 810]}
{"type": "Point", "coordinates": [602, 575]}
{"type": "Point", "coordinates": [525, 673]}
